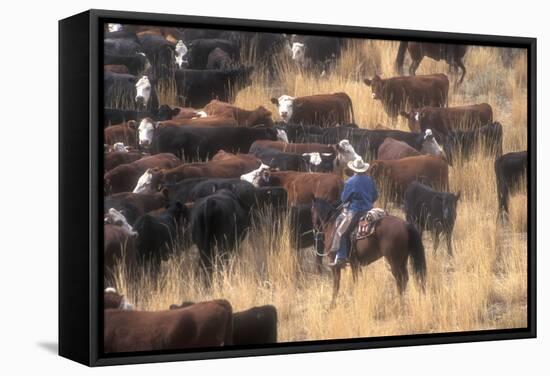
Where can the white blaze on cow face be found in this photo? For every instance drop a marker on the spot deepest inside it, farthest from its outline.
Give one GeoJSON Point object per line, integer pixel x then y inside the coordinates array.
{"type": "Point", "coordinates": [417, 116]}
{"type": "Point", "coordinates": [282, 136]}
{"type": "Point", "coordinates": [253, 177]}
{"type": "Point", "coordinates": [119, 146]}
{"type": "Point", "coordinates": [143, 91]}
{"type": "Point", "coordinates": [286, 107]}
{"type": "Point", "coordinates": [146, 130]}
{"type": "Point", "coordinates": [430, 145]}
{"type": "Point", "coordinates": [346, 153]}
{"type": "Point", "coordinates": [112, 27]}
{"type": "Point", "coordinates": [144, 184]}
{"type": "Point", "coordinates": [181, 54]}
{"type": "Point", "coordinates": [298, 52]}
{"type": "Point", "coordinates": [314, 158]}
{"type": "Point", "coordinates": [115, 217]}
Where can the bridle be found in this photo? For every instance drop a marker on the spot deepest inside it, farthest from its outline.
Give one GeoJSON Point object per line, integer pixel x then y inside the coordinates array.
{"type": "Point", "coordinates": [318, 234]}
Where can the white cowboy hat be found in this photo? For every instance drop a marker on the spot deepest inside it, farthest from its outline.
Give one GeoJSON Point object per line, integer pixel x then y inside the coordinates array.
{"type": "Point", "coordinates": [358, 165]}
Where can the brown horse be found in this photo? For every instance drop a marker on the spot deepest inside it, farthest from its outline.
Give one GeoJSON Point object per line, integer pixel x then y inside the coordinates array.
{"type": "Point", "coordinates": [393, 239]}
{"type": "Point", "coordinates": [451, 53]}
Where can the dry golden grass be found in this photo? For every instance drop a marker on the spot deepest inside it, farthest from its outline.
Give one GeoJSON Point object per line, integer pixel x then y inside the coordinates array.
{"type": "Point", "coordinates": [483, 286]}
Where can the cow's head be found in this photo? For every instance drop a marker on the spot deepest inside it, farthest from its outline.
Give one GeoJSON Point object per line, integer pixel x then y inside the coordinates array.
{"type": "Point", "coordinates": [320, 162]}
{"type": "Point", "coordinates": [181, 54]}
{"type": "Point", "coordinates": [119, 146]}
{"type": "Point", "coordinates": [143, 91]}
{"type": "Point", "coordinates": [298, 52]}
{"type": "Point", "coordinates": [112, 27]}
{"type": "Point", "coordinates": [376, 85]}
{"type": "Point", "coordinates": [165, 112]}
{"type": "Point", "coordinates": [450, 202]}
{"type": "Point", "coordinates": [256, 176]}
{"type": "Point", "coordinates": [260, 116]}
{"type": "Point", "coordinates": [149, 182]}
{"type": "Point", "coordinates": [115, 217]}
{"type": "Point", "coordinates": [113, 300]}
{"type": "Point", "coordinates": [282, 136]}
{"type": "Point", "coordinates": [345, 153]}
{"type": "Point", "coordinates": [146, 131]}
{"type": "Point", "coordinates": [414, 119]}
{"type": "Point", "coordinates": [430, 145]}
{"type": "Point", "coordinates": [285, 104]}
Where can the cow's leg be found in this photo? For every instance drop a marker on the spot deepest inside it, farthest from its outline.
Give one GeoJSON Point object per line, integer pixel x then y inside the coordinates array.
{"type": "Point", "coordinates": [463, 68]}
{"type": "Point", "coordinates": [448, 238]}
{"type": "Point", "coordinates": [436, 240]}
{"type": "Point", "coordinates": [336, 275]}
{"type": "Point", "coordinates": [414, 66]}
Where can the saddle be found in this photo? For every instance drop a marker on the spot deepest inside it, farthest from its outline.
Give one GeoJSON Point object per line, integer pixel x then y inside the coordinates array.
{"type": "Point", "coordinates": [367, 223]}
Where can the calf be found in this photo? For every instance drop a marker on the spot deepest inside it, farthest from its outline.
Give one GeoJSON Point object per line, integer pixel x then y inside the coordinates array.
{"type": "Point", "coordinates": [486, 139]}
{"type": "Point", "coordinates": [433, 211]}
{"type": "Point", "coordinates": [510, 172]}
{"type": "Point", "coordinates": [245, 118]}
{"type": "Point", "coordinates": [324, 110]}
{"type": "Point", "coordinates": [123, 178]}
{"type": "Point", "coordinates": [207, 324]}
{"type": "Point", "coordinates": [408, 92]}
{"type": "Point", "coordinates": [282, 161]}
{"type": "Point", "coordinates": [445, 120]}
{"type": "Point", "coordinates": [158, 233]}
{"type": "Point", "coordinates": [118, 246]}
{"type": "Point", "coordinates": [397, 174]}
{"type": "Point", "coordinates": [134, 205]}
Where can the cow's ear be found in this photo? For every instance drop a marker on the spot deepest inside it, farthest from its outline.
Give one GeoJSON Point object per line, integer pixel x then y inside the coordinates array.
{"type": "Point", "coordinates": [132, 124]}
{"type": "Point", "coordinates": [404, 114]}
{"type": "Point", "coordinates": [275, 101]}
{"type": "Point", "coordinates": [367, 81]}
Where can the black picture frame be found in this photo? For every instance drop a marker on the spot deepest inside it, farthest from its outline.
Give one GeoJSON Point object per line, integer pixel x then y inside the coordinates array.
{"type": "Point", "coordinates": [80, 186]}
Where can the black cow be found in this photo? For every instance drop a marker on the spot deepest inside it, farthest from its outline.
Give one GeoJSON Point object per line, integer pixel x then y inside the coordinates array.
{"type": "Point", "coordinates": [510, 171]}
{"type": "Point", "coordinates": [199, 49]}
{"type": "Point", "coordinates": [463, 144]}
{"type": "Point", "coordinates": [120, 92]}
{"type": "Point", "coordinates": [193, 142]}
{"type": "Point", "coordinates": [134, 205]}
{"type": "Point", "coordinates": [121, 46]}
{"type": "Point", "coordinates": [189, 190]}
{"type": "Point", "coordinates": [216, 223]}
{"type": "Point", "coordinates": [158, 233]}
{"type": "Point", "coordinates": [431, 210]}
{"type": "Point", "coordinates": [281, 160]}
{"type": "Point", "coordinates": [137, 64]}
{"type": "Point", "coordinates": [113, 116]}
{"type": "Point", "coordinates": [196, 88]}
{"type": "Point", "coordinates": [218, 59]}
{"type": "Point", "coordinates": [161, 54]}
{"type": "Point", "coordinates": [316, 52]}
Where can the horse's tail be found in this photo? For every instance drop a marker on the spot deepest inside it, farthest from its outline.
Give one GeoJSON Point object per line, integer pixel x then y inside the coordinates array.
{"type": "Point", "coordinates": [400, 57]}
{"type": "Point", "coordinates": [418, 255]}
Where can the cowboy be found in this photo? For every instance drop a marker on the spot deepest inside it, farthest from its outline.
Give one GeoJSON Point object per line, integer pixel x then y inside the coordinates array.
{"type": "Point", "coordinates": [358, 197]}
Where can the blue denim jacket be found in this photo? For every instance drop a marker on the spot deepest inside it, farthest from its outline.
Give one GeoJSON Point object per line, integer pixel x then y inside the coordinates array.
{"type": "Point", "coordinates": [360, 193]}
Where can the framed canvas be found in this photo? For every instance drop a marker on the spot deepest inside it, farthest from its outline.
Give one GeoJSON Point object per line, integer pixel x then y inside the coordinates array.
{"type": "Point", "coordinates": [238, 187]}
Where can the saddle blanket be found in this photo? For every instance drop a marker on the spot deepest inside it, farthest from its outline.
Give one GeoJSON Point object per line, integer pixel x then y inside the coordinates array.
{"type": "Point", "coordinates": [366, 224]}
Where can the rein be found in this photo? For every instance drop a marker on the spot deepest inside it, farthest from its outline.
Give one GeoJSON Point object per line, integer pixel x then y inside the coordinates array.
{"type": "Point", "coordinates": [317, 233]}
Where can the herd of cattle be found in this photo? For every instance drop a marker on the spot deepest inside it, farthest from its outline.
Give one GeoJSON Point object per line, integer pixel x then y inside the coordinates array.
{"type": "Point", "coordinates": [199, 173]}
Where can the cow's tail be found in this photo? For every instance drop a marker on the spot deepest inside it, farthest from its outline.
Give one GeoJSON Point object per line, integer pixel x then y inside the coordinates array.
{"type": "Point", "coordinates": [418, 255]}
{"type": "Point", "coordinates": [350, 104]}
{"type": "Point", "coordinates": [400, 57]}
{"type": "Point", "coordinates": [502, 191]}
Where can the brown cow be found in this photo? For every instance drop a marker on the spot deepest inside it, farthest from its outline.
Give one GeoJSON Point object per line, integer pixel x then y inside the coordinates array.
{"type": "Point", "coordinates": [207, 324]}
{"type": "Point", "coordinates": [118, 245]}
{"type": "Point", "coordinates": [323, 110]}
{"type": "Point", "coordinates": [116, 158]}
{"type": "Point", "coordinates": [397, 174]}
{"type": "Point", "coordinates": [116, 68]}
{"type": "Point", "coordinates": [444, 120]}
{"type": "Point", "coordinates": [125, 133]}
{"type": "Point", "coordinates": [134, 205]}
{"type": "Point", "coordinates": [223, 165]}
{"type": "Point", "coordinates": [205, 121]}
{"type": "Point", "coordinates": [245, 118]}
{"type": "Point", "coordinates": [123, 178]}
{"type": "Point", "coordinates": [184, 113]}
{"type": "Point", "coordinates": [113, 300]}
{"type": "Point", "coordinates": [393, 149]}
{"type": "Point", "coordinates": [301, 187]}
{"type": "Point", "coordinates": [408, 92]}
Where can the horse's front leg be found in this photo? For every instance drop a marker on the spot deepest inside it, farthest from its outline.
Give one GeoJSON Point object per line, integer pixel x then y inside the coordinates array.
{"type": "Point", "coordinates": [336, 275]}
{"type": "Point", "coordinates": [436, 240]}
